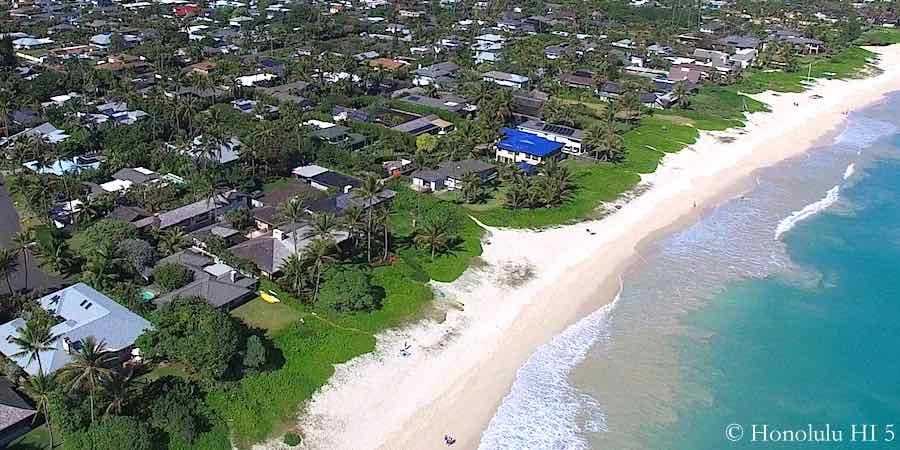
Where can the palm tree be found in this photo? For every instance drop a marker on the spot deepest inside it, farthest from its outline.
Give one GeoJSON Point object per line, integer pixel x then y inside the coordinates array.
{"type": "Point", "coordinates": [604, 143]}
{"type": "Point", "coordinates": [680, 92]}
{"type": "Point", "coordinates": [317, 256]}
{"type": "Point", "coordinates": [369, 192]}
{"type": "Point", "coordinates": [90, 366]}
{"type": "Point", "coordinates": [384, 219]}
{"type": "Point", "coordinates": [40, 388]}
{"type": "Point", "coordinates": [23, 240]}
{"type": "Point", "coordinates": [9, 262]}
{"type": "Point", "coordinates": [471, 186]}
{"type": "Point", "coordinates": [292, 269]}
{"type": "Point", "coordinates": [324, 226]}
{"type": "Point", "coordinates": [33, 339]}
{"type": "Point", "coordinates": [433, 236]}
{"type": "Point", "coordinates": [119, 389]}
{"type": "Point", "coordinates": [292, 210]}
{"type": "Point", "coordinates": [354, 221]}
{"type": "Point", "coordinates": [171, 241]}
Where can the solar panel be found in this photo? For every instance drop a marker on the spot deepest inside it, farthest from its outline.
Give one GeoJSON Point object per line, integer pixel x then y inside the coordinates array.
{"type": "Point", "coordinates": [560, 130]}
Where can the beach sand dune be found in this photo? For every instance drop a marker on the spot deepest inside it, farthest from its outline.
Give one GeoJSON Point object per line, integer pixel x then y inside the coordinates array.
{"type": "Point", "coordinates": [531, 285]}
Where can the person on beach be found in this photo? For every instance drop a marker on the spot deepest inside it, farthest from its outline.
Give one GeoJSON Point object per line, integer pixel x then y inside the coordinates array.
{"type": "Point", "coordinates": [448, 440]}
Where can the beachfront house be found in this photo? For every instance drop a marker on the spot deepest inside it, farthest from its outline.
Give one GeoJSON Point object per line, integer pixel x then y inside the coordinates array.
{"type": "Point", "coordinates": [570, 137]}
{"type": "Point", "coordinates": [519, 146]}
{"type": "Point", "coordinates": [449, 175]}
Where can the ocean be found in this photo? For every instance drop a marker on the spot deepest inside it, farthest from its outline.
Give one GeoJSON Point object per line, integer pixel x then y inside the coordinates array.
{"type": "Point", "coordinates": [771, 323]}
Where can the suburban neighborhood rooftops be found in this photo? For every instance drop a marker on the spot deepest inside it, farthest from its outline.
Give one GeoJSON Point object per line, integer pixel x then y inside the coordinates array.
{"type": "Point", "coordinates": [531, 144]}
{"type": "Point", "coordinates": [511, 77]}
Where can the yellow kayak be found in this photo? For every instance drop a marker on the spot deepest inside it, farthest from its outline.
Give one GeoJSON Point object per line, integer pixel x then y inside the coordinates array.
{"type": "Point", "coordinates": [269, 297]}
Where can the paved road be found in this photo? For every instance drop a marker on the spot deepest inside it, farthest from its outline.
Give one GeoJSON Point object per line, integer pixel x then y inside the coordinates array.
{"type": "Point", "coordinates": [9, 226]}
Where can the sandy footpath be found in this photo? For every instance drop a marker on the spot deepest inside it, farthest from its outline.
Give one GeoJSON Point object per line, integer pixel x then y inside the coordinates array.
{"type": "Point", "coordinates": [532, 285]}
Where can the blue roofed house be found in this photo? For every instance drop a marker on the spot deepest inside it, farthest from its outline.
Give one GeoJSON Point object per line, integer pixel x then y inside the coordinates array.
{"type": "Point", "coordinates": [82, 312]}
{"type": "Point", "coordinates": [519, 146]}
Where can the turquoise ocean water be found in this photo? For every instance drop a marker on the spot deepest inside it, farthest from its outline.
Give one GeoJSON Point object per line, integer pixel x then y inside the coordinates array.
{"type": "Point", "coordinates": [778, 310]}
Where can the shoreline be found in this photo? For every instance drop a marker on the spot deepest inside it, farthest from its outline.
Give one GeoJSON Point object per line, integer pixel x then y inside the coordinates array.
{"type": "Point", "coordinates": [534, 284]}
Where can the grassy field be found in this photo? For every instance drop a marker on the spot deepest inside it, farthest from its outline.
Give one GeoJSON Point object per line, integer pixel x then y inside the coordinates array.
{"type": "Point", "coordinates": [266, 316]}
{"type": "Point", "coordinates": [309, 345]}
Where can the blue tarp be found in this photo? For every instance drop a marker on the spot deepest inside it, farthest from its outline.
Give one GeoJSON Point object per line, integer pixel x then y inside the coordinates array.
{"type": "Point", "coordinates": [530, 144]}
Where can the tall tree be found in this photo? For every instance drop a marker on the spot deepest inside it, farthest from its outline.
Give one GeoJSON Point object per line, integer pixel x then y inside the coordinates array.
{"type": "Point", "coordinates": [9, 263]}
{"type": "Point", "coordinates": [434, 236]}
{"type": "Point", "coordinates": [369, 192]}
{"type": "Point", "coordinates": [292, 210]}
{"type": "Point", "coordinates": [90, 366]}
{"type": "Point", "coordinates": [317, 256]}
{"type": "Point", "coordinates": [41, 388]}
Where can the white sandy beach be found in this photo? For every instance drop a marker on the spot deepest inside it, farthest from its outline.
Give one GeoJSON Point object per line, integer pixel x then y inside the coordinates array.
{"type": "Point", "coordinates": [460, 369]}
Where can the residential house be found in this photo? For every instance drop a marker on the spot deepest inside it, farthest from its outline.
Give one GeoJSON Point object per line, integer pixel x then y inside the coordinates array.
{"type": "Point", "coordinates": [290, 93]}
{"type": "Point", "coordinates": [580, 78]}
{"type": "Point", "coordinates": [219, 284]}
{"type": "Point", "coordinates": [449, 175]}
{"type": "Point", "coordinates": [324, 179]}
{"type": "Point", "coordinates": [83, 312]}
{"type": "Point", "coordinates": [16, 414]}
{"type": "Point", "coordinates": [268, 252]}
{"type": "Point", "coordinates": [450, 104]}
{"type": "Point", "coordinates": [266, 205]}
{"type": "Point", "coordinates": [440, 74]}
{"type": "Point", "coordinates": [338, 203]}
{"type": "Point", "coordinates": [738, 42]}
{"type": "Point", "coordinates": [800, 43]}
{"type": "Point", "coordinates": [506, 79]}
{"type": "Point", "coordinates": [519, 146]}
{"type": "Point", "coordinates": [340, 135]}
{"type": "Point", "coordinates": [570, 137]}
{"type": "Point", "coordinates": [431, 124]}
{"type": "Point", "coordinates": [388, 64]}
{"type": "Point", "coordinates": [196, 215]}
{"type": "Point", "coordinates": [128, 177]}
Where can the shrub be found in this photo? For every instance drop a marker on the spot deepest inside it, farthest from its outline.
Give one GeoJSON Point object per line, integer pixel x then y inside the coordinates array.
{"type": "Point", "coordinates": [255, 353]}
{"type": "Point", "coordinates": [292, 439]}
{"type": "Point", "coordinates": [348, 289]}
{"type": "Point", "coordinates": [171, 276]}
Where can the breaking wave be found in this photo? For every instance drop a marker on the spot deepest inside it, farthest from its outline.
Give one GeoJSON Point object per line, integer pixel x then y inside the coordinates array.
{"type": "Point", "coordinates": [542, 410]}
{"type": "Point", "coordinates": [849, 171]}
{"type": "Point", "coordinates": [864, 131]}
{"type": "Point", "coordinates": [808, 211]}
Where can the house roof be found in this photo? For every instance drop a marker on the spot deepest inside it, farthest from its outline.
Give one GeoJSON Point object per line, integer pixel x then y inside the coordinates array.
{"type": "Point", "coordinates": [336, 180]}
{"type": "Point", "coordinates": [438, 70]}
{"type": "Point", "coordinates": [13, 408]}
{"type": "Point", "coordinates": [456, 169]}
{"type": "Point", "coordinates": [423, 125]}
{"type": "Point", "coordinates": [549, 128]}
{"type": "Point", "coordinates": [135, 175]}
{"type": "Point", "coordinates": [530, 144]}
{"type": "Point", "coordinates": [336, 204]}
{"type": "Point", "coordinates": [85, 312]}
{"type": "Point", "coordinates": [212, 282]}
{"type": "Point", "coordinates": [511, 77]}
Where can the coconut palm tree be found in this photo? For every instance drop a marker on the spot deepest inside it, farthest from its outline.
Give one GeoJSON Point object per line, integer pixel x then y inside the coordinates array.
{"type": "Point", "coordinates": [89, 368]}
{"type": "Point", "coordinates": [324, 225]}
{"type": "Point", "coordinates": [681, 93]}
{"type": "Point", "coordinates": [33, 339]}
{"type": "Point", "coordinates": [23, 240]}
{"type": "Point", "coordinates": [292, 210]}
{"type": "Point", "coordinates": [171, 241]}
{"type": "Point", "coordinates": [292, 270]}
{"type": "Point", "coordinates": [369, 192]}
{"type": "Point", "coordinates": [317, 256]}
{"type": "Point", "coordinates": [354, 220]}
{"type": "Point", "coordinates": [434, 236]}
{"type": "Point", "coordinates": [9, 263]}
{"type": "Point", "coordinates": [604, 143]}
{"type": "Point", "coordinates": [40, 388]}
{"type": "Point", "coordinates": [471, 186]}
{"type": "Point", "coordinates": [383, 218]}
{"type": "Point", "coordinates": [119, 389]}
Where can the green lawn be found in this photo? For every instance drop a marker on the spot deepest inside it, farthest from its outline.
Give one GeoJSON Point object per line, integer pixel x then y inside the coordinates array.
{"type": "Point", "coordinates": [275, 184]}
{"type": "Point", "coordinates": [266, 316]}
{"type": "Point", "coordinates": [163, 370]}
{"type": "Point", "coordinates": [265, 404]}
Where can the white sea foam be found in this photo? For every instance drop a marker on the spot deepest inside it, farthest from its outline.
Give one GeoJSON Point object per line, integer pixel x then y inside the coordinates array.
{"type": "Point", "coordinates": [849, 171]}
{"type": "Point", "coordinates": [542, 410]}
{"type": "Point", "coordinates": [808, 211]}
{"type": "Point", "coordinates": [864, 131]}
